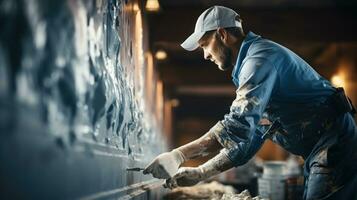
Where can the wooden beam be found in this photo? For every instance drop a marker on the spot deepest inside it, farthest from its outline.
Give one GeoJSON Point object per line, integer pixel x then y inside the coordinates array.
{"type": "Point", "coordinates": [189, 74]}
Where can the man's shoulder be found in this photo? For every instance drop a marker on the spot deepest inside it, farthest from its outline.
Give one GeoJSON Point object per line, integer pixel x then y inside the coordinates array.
{"type": "Point", "coordinates": [268, 50]}
{"type": "Point", "coordinates": [265, 46]}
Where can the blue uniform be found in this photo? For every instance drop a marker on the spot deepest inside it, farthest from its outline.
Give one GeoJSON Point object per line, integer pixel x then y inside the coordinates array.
{"type": "Point", "coordinates": [274, 83]}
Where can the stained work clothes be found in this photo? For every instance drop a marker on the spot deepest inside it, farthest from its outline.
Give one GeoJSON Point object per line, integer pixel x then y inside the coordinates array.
{"type": "Point", "coordinates": [274, 83]}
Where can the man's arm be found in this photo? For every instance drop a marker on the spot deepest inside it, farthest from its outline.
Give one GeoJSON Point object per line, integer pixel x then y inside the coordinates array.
{"type": "Point", "coordinates": [203, 146]}
{"type": "Point", "coordinates": [166, 165]}
{"type": "Point", "coordinates": [237, 132]}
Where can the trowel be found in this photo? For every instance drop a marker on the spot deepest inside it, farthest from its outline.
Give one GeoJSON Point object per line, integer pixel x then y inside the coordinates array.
{"type": "Point", "coordinates": [135, 169]}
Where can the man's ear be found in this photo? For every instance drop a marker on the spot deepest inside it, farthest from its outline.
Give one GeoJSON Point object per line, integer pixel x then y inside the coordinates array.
{"type": "Point", "coordinates": [222, 34]}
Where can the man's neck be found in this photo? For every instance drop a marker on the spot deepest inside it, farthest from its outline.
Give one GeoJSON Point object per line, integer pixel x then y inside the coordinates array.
{"type": "Point", "coordinates": [235, 49]}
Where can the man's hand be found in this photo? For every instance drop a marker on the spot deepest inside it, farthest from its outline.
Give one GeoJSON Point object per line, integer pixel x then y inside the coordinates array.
{"type": "Point", "coordinates": [186, 176]}
{"type": "Point", "coordinates": [165, 165]}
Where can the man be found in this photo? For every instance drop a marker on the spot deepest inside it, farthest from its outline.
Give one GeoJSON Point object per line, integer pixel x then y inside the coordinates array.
{"type": "Point", "coordinates": [302, 112]}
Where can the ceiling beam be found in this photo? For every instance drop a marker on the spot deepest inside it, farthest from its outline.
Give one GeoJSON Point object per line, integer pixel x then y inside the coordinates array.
{"type": "Point", "coordinates": [173, 74]}
{"type": "Point", "coordinates": [206, 90]}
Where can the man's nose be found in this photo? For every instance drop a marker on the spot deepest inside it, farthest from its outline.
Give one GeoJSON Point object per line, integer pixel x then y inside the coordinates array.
{"type": "Point", "coordinates": [206, 55]}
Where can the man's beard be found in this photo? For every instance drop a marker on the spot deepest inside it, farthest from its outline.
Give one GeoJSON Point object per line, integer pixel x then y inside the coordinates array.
{"type": "Point", "coordinates": [224, 55]}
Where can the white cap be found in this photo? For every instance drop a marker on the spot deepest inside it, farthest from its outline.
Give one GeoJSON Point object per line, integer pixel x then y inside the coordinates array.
{"type": "Point", "coordinates": [211, 19]}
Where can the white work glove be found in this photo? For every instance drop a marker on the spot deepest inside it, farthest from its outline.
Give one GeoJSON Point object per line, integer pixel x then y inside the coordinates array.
{"type": "Point", "coordinates": [165, 165]}
{"type": "Point", "coordinates": [186, 176]}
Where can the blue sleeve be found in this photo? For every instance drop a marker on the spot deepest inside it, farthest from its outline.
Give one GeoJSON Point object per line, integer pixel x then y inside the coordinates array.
{"type": "Point", "coordinates": [238, 131]}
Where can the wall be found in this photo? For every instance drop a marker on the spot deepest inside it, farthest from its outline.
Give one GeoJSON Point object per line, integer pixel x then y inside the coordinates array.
{"type": "Point", "coordinates": [75, 107]}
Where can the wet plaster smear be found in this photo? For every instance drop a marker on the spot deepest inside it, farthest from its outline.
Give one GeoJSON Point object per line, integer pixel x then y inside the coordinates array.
{"type": "Point", "coordinates": [72, 104]}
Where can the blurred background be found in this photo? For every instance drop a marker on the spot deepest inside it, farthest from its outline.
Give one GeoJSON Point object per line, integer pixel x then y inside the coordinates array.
{"type": "Point", "coordinates": [91, 88]}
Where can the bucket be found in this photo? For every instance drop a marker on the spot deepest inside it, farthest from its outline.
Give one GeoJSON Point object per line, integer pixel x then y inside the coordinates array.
{"type": "Point", "coordinates": [271, 184]}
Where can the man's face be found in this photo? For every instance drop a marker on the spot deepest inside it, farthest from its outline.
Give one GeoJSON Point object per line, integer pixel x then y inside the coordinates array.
{"type": "Point", "coordinates": [215, 50]}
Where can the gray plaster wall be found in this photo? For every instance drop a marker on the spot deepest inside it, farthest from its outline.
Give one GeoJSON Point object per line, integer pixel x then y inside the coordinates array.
{"type": "Point", "coordinates": [72, 101]}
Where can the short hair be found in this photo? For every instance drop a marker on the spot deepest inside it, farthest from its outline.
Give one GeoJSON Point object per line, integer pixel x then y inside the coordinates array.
{"type": "Point", "coordinates": [235, 31]}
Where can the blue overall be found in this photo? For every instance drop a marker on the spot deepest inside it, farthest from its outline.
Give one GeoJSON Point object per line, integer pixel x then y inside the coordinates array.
{"type": "Point", "coordinates": [274, 83]}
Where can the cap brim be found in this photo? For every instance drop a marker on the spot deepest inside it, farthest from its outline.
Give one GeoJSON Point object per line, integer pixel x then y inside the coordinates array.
{"type": "Point", "coordinates": [191, 43]}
